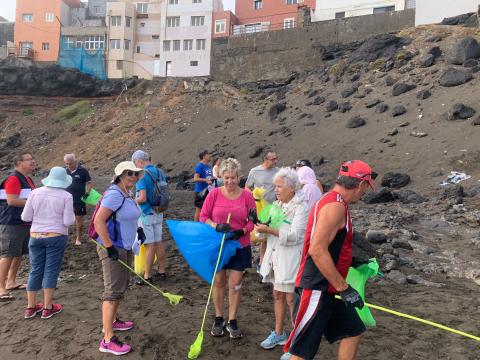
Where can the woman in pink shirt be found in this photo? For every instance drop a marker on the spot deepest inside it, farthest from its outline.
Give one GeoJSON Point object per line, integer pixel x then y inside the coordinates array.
{"type": "Point", "coordinates": [220, 202]}
{"type": "Point", "coordinates": [50, 209]}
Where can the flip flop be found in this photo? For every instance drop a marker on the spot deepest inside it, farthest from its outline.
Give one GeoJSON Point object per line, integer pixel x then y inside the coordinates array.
{"type": "Point", "coordinates": [6, 297]}
{"type": "Point", "coordinates": [18, 287]}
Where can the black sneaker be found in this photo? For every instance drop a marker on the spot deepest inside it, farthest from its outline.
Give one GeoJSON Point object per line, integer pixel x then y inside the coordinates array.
{"type": "Point", "coordinates": [232, 328]}
{"type": "Point", "coordinates": [217, 328]}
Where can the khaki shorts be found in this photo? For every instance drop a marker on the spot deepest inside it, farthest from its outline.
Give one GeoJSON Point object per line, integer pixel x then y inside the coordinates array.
{"type": "Point", "coordinates": [115, 275]}
{"type": "Point", "coordinates": [14, 240]}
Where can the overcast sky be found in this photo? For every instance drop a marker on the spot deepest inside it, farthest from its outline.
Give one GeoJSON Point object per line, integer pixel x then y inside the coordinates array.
{"type": "Point", "coordinates": [7, 8]}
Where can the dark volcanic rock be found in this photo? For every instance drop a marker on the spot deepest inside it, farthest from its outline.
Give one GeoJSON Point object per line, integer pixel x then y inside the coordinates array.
{"type": "Point", "coordinates": [356, 122]}
{"type": "Point", "coordinates": [372, 103]}
{"type": "Point", "coordinates": [362, 250]}
{"type": "Point", "coordinates": [389, 81]}
{"type": "Point", "coordinates": [465, 49]}
{"type": "Point", "coordinates": [276, 109]}
{"type": "Point", "coordinates": [398, 110]}
{"type": "Point", "coordinates": [348, 92]}
{"type": "Point", "coordinates": [454, 77]}
{"type": "Point", "coordinates": [435, 51]}
{"type": "Point", "coordinates": [401, 88]}
{"type": "Point", "coordinates": [409, 197]}
{"type": "Point", "coordinates": [395, 180]}
{"type": "Point", "coordinates": [376, 237]}
{"type": "Point", "coordinates": [331, 106]}
{"type": "Point", "coordinates": [381, 196]}
{"type": "Point", "coordinates": [470, 63]}
{"type": "Point", "coordinates": [460, 111]}
{"type": "Point", "coordinates": [434, 39]}
{"type": "Point", "coordinates": [318, 100]}
{"type": "Point", "coordinates": [381, 108]}
{"type": "Point", "coordinates": [11, 142]}
{"type": "Point", "coordinates": [426, 60]}
{"type": "Point", "coordinates": [456, 20]}
{"type": "Point", "coordinates": [379, 46]}
{"type": "Point", "coordinates": [423, 94]}
{"type": "Point", "coordinates": [312, 93]}
{"type": "Point", "coordinates": [344, 107]}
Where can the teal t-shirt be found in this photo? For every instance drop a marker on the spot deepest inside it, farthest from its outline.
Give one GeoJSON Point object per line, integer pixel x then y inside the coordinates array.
{"type": "Point", "coordinates": [146, 183]}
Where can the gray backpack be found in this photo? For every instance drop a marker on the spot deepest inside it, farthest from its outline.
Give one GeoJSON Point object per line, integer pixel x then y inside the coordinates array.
{"type": "Point", "coordinates": [161, 196]}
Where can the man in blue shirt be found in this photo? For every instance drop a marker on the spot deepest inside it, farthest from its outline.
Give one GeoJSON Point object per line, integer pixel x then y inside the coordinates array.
{"type": "Point", "coordinates": [203, 180]}
{"type": "Point", "coordinates": [152, 217]}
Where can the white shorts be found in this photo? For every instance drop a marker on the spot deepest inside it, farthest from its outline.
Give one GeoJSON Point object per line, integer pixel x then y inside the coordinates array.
{"type": "Point", "coordinates": [152, 227]}
{"type": "Point", "coordinates": [286, 288]}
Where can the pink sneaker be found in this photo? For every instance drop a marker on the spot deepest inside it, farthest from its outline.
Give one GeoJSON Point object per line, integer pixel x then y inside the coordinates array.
{"type": "Point", "coordinates": [115, 347]}
{"type": "Point", "coordinates": [31, 312]}
{"type": "Point", "coordinates": [119, 325]}
{"type": "Point", "coordinates": [48, 313]}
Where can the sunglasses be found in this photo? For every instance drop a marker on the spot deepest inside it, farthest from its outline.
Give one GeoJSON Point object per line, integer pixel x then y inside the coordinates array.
{"type": "Point", "coordinates": [373, 175]}
{"type": "Point", "coordinates": [133, 173]}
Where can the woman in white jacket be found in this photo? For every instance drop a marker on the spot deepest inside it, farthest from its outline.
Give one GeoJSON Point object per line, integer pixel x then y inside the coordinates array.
{"type": "Point", "coordinates": [284, 250]}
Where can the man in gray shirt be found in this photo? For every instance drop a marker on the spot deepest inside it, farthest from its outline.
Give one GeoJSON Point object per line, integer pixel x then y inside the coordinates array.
{"type": "Point", "coordinates": [261, 176]}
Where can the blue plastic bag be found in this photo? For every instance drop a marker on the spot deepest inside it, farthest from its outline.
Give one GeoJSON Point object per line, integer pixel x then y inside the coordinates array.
{"type": "Point", "coordinates": [199, 244]}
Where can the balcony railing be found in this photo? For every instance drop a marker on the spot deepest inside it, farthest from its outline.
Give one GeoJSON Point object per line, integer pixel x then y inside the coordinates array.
{"type": "Point", "coordinates": [27, 53]}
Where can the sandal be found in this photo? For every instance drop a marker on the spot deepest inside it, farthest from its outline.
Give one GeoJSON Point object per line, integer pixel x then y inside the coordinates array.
{"type": "Point", "coordinates": [6, 297]}
{"type": "Point", "coordinates": [17, 287]}
{"type": "Point", "coordinates": [141, 282]}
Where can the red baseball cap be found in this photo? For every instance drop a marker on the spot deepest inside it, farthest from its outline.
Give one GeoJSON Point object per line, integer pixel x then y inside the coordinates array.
{"type": "Point", "coordinates": [358, 169]}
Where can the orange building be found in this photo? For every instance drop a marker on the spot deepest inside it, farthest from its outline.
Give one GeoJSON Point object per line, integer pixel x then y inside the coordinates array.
{"type": "Point", "coordinates": [37, 27]}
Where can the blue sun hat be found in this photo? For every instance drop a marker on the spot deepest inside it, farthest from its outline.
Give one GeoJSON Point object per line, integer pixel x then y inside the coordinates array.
{"type": "Point", "coordinates": [57, 178]}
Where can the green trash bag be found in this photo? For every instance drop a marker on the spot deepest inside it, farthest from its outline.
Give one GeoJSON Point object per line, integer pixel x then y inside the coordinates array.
{"type": "Point", "coordinates": [92, 198]}
{"type": "Point", "coordinates": [357, 278]}
{"type": "Point", "coordinates": [272, 215]}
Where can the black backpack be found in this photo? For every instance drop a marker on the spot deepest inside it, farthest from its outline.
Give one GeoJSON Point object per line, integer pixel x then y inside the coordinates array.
{"type": "Point", "coordinates": [161, 196]}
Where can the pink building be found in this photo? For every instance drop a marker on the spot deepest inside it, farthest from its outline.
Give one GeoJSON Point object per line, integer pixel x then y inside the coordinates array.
{"type": "Point", "coordinates": [259, 15]}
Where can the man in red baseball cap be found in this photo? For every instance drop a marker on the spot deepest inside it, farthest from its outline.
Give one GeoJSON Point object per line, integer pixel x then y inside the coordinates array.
{"type": "Point", "coordinates": [326, 258]}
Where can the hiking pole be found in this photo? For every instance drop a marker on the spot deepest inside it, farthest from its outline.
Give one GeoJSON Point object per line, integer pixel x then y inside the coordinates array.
{"type": "Point", "coordinates": [196, 347]}
{"type": "Point", "coordinates": [428, 322]}
{"type": "Point", "coordinates": [174, 299]}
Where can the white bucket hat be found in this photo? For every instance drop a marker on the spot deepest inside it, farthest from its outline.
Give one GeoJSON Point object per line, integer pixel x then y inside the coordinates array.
{"type": "Point", "coordinates": [125, 166]}
{"type": "Point", "coordinates": [57, 178]}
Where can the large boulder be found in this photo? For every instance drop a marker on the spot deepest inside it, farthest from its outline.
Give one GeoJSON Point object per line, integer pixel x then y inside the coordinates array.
{"type": "Point", "coordinates": [426, 60]}
{"type": "Point", "coordinates": [460, 111]}
{"type": "Point", "coordinates": [332, 105]}
{"type": "Point", "coordinates": [398, 110]}
{"type": "Point", "coordinates": [381, 196]}
{"type": "Point", "coordinates": [356, 122]}
{"type": "Point", "coordinates": [401, 88]}
{"type": "Point", "coordinates": [379, 46]}
{"type": "Point", "coordinates": [409, 197]}
{"type": "Point", "coordinates": [454, 77]}
{"type": "Point", "coordinates": [465, 49]}
{"type": "Point", "coordinates": [395, 180]}
{"type": "Point", "coordinates": [457, 20]}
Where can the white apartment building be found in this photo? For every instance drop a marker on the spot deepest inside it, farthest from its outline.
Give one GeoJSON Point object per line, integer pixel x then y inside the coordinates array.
{"type": "Point", "coordinates": [160, 38]}
{"type": "Point", "coordinates": [434, 11]}
{"type": "Point", "coordinates": [186, 38]}
{"type": "Point", "coordinates": [339, 9]}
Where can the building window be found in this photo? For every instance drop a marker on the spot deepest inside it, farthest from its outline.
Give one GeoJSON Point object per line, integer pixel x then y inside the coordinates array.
{"type": "Point", "coordinates": [128, 21]}
{"type": "Point", "coordinates": [69, 43]}
{"type": "Point", "coordinates": [157, 56]}
{"type": "Point", "coordinates": [138, 49]}
{"type": "Point", "coordinates": [94, 42]}
{"type": "Point", "coordinates": [197, 1]}
{"type": "Point", "coordinates": [176, 45]}
{"type": "Point", "coordinates": [49, 17]}
{"type": "Point", "coordinates": [97, 10]}
{"type": "Point", "coordinates": [119, 65]}
{"type": "Point", "coordinates": [173, 2]}
{"type": "Point", "coordinates": [45, 46]}
{"type": "Point", "coordinates": [289, 23]}
{"type": "Point", "coordinates": [166, 45]}
{"type": "Point", "coordinates": [78, 44]}
{"type": "Point", "coordinates": [291, 2]}
{"type": "Point", "coordinates": [27, 18]}
{"type": "Point", "coordinates": [142, 24]}
{"type": "Point", "coordinates": [198, 20]}
{"type": "Point", "coordinates": [187, 45]}
{"type": "Point", "coordinates": [383, 9]}
{"type": "Point", "coordinates": [410, 4]}
{"type": "Point", "coordinates": [340, 15]}
{"type": "Point", "coordinates": [127, 44]}
{"type": "Point", "coordinates": [114, 44]}
{"type": "Point", "coordinates": [201, 44]}
{"type": "Point", "coordinates": [194, 63]}
{"type": "Point", "coordinates": [155, 37]}
{"type": "Point", "coordinates": [116, 21]}
{"type": "Point", "coordinates": [173, 21]}
{"type": "Point", "coordinates": [142, 8]}
{"type": "Point", "coordinates": [257, 4]}
{"type": "Point", "coordinates": [220, 26]}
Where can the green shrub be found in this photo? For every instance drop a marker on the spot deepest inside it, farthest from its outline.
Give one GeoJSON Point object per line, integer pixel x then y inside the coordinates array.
{"type": "Point", "coordinates": [76, 113]}
{"type": "Point", "coordinates": [27, 112]}
{"type": "Point", "coordinates": [141, 105]}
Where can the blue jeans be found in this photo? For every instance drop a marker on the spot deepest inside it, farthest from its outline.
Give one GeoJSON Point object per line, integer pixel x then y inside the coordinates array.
{"type": "Point", "coordinates": [46, 255]}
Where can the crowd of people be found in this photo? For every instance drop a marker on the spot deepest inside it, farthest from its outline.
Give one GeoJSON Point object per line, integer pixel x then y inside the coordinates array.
{"type": "Point", "coordinates": [305, 258]}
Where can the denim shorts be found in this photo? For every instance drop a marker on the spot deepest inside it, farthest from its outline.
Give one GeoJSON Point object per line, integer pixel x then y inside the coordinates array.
{"type": "Point", "coordinates": [152, 227]}
{"type": "Point", "coordinates": [46, 256]}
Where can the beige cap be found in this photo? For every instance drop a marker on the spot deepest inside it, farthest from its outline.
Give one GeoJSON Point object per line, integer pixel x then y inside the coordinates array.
{"type": "Point", "coordinates": [125, 165]}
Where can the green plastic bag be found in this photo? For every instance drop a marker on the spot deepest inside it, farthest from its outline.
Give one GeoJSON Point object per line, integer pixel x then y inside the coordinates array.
{"type": "Point", "coordinates": [272, 215]}
{"type": "Point", "coordinates": [92, 198]}
{"type": "Point", "coordinates": [357, 278]}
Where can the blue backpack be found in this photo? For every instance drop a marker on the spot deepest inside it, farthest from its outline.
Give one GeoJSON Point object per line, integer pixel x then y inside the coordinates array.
{"type": "Point", "coordinates": [161, 195]}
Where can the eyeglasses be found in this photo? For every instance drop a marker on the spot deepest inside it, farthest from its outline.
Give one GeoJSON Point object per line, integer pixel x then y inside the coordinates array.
{"type": "Point", "coordinates": [133, 173]}
{"type": "Point", "coordinates": [31, 159]}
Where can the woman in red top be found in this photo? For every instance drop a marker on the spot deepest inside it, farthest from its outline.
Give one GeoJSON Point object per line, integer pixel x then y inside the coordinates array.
{"type": "Point", "coordinates": [220, 202]}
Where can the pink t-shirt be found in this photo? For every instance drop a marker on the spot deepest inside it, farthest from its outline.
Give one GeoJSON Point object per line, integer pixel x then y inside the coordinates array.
{"type": "Point", "coordinates": [217, 207]}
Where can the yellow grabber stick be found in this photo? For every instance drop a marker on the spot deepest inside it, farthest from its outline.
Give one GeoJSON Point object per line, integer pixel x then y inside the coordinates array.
{"type": "Point", "coordinates": [196, 347]}
{"type": "Point", "coordinates": [431, 323]}
{"type": "Point", "coordinates": [174, 299]}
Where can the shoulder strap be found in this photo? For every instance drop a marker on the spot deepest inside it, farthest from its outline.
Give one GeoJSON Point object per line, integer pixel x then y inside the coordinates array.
{"type": "Point", "coordinates": [151, 175]}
